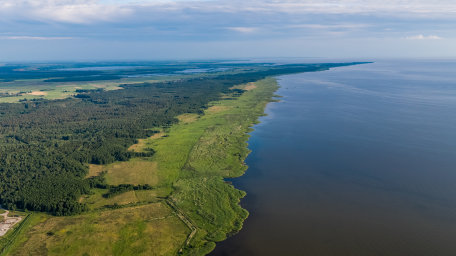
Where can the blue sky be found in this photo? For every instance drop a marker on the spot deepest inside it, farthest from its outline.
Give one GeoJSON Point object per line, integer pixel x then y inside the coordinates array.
{"type": "Point", "coordinates": [186, 29]}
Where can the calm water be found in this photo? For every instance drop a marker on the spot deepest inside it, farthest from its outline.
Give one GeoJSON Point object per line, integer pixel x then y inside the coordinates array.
{"type": "Point", "coordinates": [354, 161]}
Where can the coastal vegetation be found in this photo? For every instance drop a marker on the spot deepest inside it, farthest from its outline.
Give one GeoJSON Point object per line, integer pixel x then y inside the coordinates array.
{"type": "Point", "coordinates": [140, 169]}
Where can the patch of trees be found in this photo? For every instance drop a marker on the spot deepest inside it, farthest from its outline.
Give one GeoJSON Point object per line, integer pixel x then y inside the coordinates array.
{"type": "Point", "coordinates": [45, 145]}
{"type": "Point", "coordinates": [122, 188]}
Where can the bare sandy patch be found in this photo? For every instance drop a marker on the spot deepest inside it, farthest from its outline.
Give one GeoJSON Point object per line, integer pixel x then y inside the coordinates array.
{"type": "Point", "coordinates": [37, 93]}
{"type": "Point", "coordinates": [216, 109]}
{"type": "Point", "coordinates": [6, 222]}
{"type": "Point", "coordinates": [94, 170]}
{"type": "Point", "coordinates": [250, 86]}
{"type": "Point", "coordinates": [187, 118]}
{"type": "Point", "coordinates": [142, 143]}
{"type": "Point", "coordinates": [107, 86]}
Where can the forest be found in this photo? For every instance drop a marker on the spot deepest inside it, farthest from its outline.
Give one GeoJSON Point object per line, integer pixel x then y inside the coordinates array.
{"type": "Point", "coordinates": [46, 145]}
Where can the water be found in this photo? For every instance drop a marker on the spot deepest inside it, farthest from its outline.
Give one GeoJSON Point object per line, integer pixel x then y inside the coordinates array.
{"type": "Point", "coordinates": [358, 160]}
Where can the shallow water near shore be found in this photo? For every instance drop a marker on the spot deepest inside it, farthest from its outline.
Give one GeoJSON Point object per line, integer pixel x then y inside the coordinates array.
{"type": "Point", "coordinates": [357, 160]}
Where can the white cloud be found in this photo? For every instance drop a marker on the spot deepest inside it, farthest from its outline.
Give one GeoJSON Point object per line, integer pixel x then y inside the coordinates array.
{"type": "Point", "coordinates": [330, 26]}
{"type": "Point", "coordinates": [314, 6]}
{"type": "Point", "coordinates": [34, 38]}
{"type": "Point", "coordinates": [245, 30]}
{"type": "Point", "coordinates": [89, 11]}
{"type": "Point", "coordinates": [66, 11]}
{"type": "Point", "coordinates": [423, 37]}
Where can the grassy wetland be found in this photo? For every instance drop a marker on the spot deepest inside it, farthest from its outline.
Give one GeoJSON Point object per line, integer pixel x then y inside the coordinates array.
{"type": "Point", "coordinates": [136, 171]}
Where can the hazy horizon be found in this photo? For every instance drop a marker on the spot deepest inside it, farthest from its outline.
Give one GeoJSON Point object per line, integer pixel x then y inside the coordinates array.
{"type": "Point", "coordinates": [116, 30]}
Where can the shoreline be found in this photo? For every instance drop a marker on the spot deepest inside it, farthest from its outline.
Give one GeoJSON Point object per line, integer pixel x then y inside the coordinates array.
{"type": "Point", "coordinates": [194, 183]}
{"type": "Point", "coordinates": [192, 160]}
{"type": "Point", "coordinates": [231, 180]}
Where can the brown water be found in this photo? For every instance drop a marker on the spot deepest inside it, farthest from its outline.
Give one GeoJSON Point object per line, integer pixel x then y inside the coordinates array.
{"type": "Point", "coordinates": [354, 161]}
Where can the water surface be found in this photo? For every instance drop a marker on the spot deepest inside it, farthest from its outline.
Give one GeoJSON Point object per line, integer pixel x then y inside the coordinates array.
{"type": "Point", "coordinates": [358, 160]}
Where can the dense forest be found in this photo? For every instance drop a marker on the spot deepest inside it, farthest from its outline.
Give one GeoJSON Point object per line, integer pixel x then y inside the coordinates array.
{"type": "Point", "coordinates": [46, 146]}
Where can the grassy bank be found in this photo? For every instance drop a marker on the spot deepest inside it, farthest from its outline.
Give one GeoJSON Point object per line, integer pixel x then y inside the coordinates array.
{"type": "Point", "coordinates": [191, 206]}
{"type": "Point", "coordinates": [219, 152]}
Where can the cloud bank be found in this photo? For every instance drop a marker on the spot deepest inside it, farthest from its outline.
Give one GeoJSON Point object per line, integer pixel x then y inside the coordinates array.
{"type": "Point", "coordinates": [90, 11]}
{"type": "Point", "coordinates": [237, 23]}
{"type": "Point", "coordinates": [423, 37]}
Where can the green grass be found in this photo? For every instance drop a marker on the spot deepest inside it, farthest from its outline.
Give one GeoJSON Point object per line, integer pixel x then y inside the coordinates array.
{"type": "Point", "coordinates": [61, 90]}
{"type": "Point", "coordinates": [50, 91]}
{"type": "Point", "coordinates": [143, 144]}
{"type": "Point", "coordinates": [97, 201]}
{"type": "Point", "coordinates": [16, 234]}
{"type": "Point", "coordinates": [195, 156]}
{"type": "Point", "coordinates": [188, 118]}
{"type": "Point", "coordinates": [136, 230]}
{"type": "Point", "coordinates": [136, 171]}
{"type": "Point", "coordinates": [192, 158]}
{"type": "Point", "coordinates": [212, 204]}
{"type": "Point", "coordinates": [220, 151]}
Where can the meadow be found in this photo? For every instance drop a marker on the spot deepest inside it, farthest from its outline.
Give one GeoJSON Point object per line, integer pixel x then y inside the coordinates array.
{"type": "Point", "coordinates": [138, 230]}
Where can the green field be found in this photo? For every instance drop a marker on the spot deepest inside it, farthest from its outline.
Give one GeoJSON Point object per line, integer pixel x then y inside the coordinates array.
{"type": "Point", "coordinates": [137, 230]}
{"type": "Point", "coordinates": [37, 89]}
{"type": "Point", "coordinates": [187, 171]}
{"type": "Point", "coordinates": [19, 89]}
{"type": "Point", "coordinates": [134, 171]}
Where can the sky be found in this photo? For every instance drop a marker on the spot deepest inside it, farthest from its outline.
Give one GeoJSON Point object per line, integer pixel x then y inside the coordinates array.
{"type": "Point", "coordinates": [86, 30]}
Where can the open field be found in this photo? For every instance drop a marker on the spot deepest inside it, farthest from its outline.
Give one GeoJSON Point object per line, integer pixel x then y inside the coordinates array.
{"type": "Point", "coordinates": [136, 171]}
{"type": "Point", "coordinates": [51, 91]}
{"type": "Point", "coordinates": [145, 143]}
{"type": "Point", "coordinates": [137, 230]}
{"type": "Point", "coordinates": [40, 81]}
{"type": "Point", "coordinates": [187, 118]}
{"type": "Point", "coordinates": [39, 89]}
{"type": "Point", "coordinates": [97, 201]}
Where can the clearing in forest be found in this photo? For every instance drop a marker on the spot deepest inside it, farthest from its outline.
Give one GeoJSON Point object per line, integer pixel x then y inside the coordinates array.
{"type": "Point", "coordinates": [135, 171]}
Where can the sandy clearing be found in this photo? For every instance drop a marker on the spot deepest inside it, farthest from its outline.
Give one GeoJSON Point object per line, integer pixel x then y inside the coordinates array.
{"type": "Point", "coordinates": [99, 85]}
{"type": "Point", "coordinates": [187, 118]}
{"type": "Point", "coordinates": [7, 223]}
{"type": "Point", "coordinates": [216, 109]}
{"type": "Point", "coordinates": [142, 142]}
{"type": "Point", "coordinates": [37, 93]}
{"type": "Point", "coordinates": [250, 86]}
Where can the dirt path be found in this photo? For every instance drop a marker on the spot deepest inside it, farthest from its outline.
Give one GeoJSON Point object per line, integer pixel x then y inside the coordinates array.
{"type": "Point", "coordinates": [6, 223]}
{"type": "Point", "coordinates": [184, 219]}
